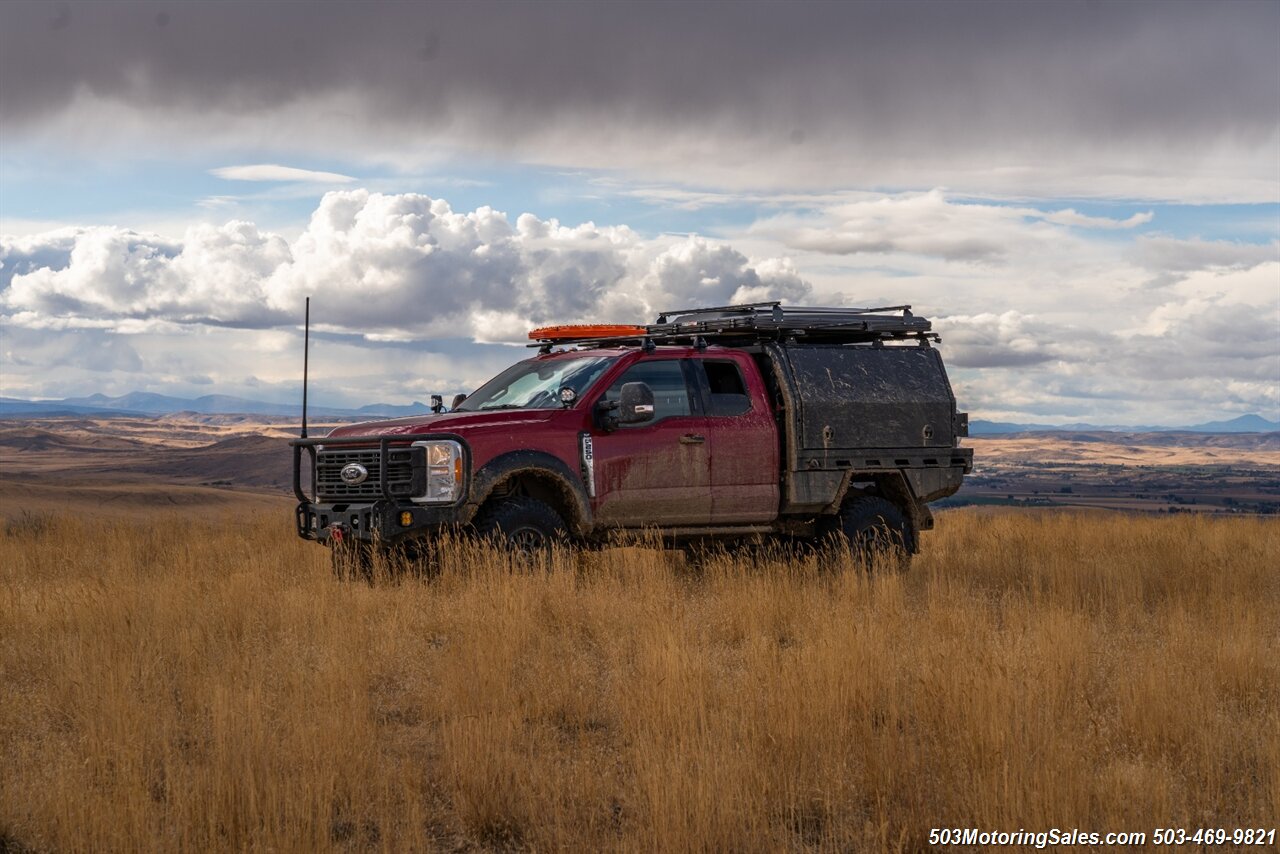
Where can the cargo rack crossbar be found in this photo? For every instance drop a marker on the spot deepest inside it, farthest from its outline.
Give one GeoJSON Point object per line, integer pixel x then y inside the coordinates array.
{"type": "Point", "coordinates": [768, 321]}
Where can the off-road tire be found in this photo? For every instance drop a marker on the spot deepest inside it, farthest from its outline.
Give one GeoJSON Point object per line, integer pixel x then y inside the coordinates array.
{"type": "Point", "coordinates": [877, 531]}
{"type": "Point", "coordinates": [526, 527]}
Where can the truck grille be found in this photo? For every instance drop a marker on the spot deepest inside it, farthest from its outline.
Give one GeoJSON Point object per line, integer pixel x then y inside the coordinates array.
{"type": "Point", "coordinates": [330, 487]}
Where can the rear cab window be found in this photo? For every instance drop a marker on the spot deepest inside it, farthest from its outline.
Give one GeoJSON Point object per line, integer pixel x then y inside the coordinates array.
{"type": "Point", "coordinates": [724, 386]}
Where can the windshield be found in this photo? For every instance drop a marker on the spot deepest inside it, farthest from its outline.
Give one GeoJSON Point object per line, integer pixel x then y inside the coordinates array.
{"type": "Point", "coordinates": [535, 384]}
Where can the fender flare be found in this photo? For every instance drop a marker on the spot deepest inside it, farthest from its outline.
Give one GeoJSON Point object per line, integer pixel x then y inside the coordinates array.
{"type": "Point", "coordinates": [547, 467]}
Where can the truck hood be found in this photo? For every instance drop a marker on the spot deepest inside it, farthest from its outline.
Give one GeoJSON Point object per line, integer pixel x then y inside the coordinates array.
{"type": "Point", "coordinates": [447, 422]}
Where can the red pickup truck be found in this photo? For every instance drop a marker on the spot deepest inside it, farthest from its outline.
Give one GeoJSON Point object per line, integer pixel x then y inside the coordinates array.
{"type": "Point", "coordinates": [710, 424]}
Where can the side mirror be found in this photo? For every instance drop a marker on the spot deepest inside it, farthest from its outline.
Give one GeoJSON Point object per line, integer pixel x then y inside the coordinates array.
{"type": "Point", "coordinates": [635, 404]}
{"type": "Point", "coordinates": [457, 400]}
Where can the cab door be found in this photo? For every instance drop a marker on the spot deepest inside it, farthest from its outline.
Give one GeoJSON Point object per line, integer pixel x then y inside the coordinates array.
{"type": "Point", "coordinates": [657, 472]}
{"type": "Point", "coordinates": [743, 439]}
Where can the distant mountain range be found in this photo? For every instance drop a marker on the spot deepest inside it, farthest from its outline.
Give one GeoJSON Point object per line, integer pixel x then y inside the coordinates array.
{"type": "Point", "coordinates": [145, 403]}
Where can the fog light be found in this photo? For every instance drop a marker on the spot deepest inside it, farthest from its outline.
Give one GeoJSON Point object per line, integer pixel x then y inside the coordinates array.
{"type": "Point", "coordinates": [406, 519]}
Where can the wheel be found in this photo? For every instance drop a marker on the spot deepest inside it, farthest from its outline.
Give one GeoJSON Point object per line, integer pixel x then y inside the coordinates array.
{"type": "Point", "coordinates": [524, 526]}
{"type": "Point", "coordinates": [877, 530]}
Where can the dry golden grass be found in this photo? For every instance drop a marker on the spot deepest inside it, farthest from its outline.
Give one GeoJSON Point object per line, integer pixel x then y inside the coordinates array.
{"type": "Point", "coordinates": [200, 687]}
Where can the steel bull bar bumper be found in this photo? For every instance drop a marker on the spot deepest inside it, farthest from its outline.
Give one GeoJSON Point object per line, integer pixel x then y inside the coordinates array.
{"type": "Point", "coordinates": [383, 511]}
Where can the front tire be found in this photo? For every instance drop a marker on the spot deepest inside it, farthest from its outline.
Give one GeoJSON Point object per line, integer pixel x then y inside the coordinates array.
{"type": "Point", "coordinates": [526, 527]}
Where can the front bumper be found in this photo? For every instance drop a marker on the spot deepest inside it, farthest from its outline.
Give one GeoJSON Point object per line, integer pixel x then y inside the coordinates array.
{"type": "Point", "coordinates": [382, 519]}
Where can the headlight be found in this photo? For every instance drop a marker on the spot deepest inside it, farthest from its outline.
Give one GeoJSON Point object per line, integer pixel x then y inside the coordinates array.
{"type": "Point", "coordinates": [444, 471]}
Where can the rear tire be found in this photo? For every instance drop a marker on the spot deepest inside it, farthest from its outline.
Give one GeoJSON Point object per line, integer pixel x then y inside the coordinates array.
{"type": "Point", "coordinates": [524, 526]}
{"type": "Point", "coordinates": [877, 531]}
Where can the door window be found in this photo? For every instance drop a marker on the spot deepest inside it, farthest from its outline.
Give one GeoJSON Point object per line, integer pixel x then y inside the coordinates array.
{"type": "Point", "coordinates": [666, 378]}
{"type": "Point", "coordinates": [726, 389]}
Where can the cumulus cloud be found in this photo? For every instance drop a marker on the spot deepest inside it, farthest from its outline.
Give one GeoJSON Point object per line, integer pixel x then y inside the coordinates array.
{"type": "Point", "coordinates": [1212, 347]}
{"type": "Point", "coordinates": [213, 275]}
{"type": "Point", "coordinates": [1223, 323]}
{"type": "Point", "coordinates": [1127, 99]}
{"type": "Point", "coordinates": [1202, 337]}
{"type": "Point", "coordinates": [28, 253]}
{"type": "Point", "coordinates": [695, 272]}
{"type": "Point", "coordinates": [1010, 339]}
{"type": "Point", "coordinates": [273, 172]}
{"type": "Point", "coordinates": [390, 266]}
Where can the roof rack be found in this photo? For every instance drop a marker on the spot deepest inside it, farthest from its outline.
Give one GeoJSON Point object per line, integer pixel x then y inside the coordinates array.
{"type": "Point", "coordinates": [753, 323]}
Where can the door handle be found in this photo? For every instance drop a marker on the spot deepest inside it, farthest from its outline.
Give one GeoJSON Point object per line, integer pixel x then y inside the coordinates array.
{"type": "Point", "coordinates": [692, 439]}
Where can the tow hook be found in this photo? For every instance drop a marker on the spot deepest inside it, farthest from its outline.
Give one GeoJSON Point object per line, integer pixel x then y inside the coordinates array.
{"type": "Point", "coordinates": [334, 533]}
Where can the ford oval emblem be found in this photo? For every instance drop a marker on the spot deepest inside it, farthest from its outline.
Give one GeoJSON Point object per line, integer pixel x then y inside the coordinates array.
{"type": "Point", "coordinates": [353, 474]}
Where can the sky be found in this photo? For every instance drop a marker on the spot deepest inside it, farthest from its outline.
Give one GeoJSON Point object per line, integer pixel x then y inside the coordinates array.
{"type": "Point", "coordinates": [1084, 197]}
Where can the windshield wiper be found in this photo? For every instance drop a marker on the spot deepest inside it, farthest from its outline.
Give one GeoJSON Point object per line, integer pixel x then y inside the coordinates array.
{"type": "Point", "coordinates": [501, 406]}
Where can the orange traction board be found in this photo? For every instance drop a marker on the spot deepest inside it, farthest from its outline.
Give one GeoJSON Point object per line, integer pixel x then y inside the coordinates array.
{"type": "Point", "coordinates": [585, 331]}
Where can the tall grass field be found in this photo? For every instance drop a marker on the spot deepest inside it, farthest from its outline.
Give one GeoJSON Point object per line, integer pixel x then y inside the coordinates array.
{"type": "Point", "coordinates": [171, 685]}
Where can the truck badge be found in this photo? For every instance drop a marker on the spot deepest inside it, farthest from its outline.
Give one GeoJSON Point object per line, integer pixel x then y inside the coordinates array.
{"type": "Point", "coordinates": [589, 464]}
{"type": "Point", "coordinates": [353, 474]}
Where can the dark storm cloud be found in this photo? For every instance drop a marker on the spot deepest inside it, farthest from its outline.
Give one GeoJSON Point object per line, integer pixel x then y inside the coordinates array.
{"type": "Point", "coordinates": [864, 80]}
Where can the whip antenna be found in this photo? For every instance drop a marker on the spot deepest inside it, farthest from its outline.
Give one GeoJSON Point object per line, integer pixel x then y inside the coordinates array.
{"type": "Point", "coordinates": [306, 353]}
